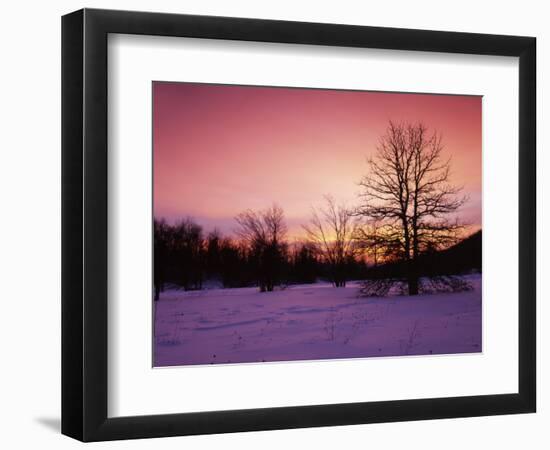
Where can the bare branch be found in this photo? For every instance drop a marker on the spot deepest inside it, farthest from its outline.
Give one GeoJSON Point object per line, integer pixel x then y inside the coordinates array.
{"type": "Point", "coordinates": [331, 232]}
{"type": "Point", "coordinates": [407, 196]}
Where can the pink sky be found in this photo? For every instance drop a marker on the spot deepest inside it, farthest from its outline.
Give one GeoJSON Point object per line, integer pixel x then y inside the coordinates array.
{"type": "Point", "coordinates": [220, 149]}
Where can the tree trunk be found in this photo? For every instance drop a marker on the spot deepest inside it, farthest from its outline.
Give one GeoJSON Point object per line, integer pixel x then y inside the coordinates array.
{"type": "Point", "coordinates": [412, 277]}
{"type": "Point", "coordinates": [413, 285]}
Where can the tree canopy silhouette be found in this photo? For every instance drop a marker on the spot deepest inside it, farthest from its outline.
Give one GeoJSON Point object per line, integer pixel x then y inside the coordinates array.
{"type": "Point", "coordinates": [264, 232]}
{"type": "Point", "coordinates": [408, 195]}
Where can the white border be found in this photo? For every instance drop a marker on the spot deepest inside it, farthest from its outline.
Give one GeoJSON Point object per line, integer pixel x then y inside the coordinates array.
{"type": "Point", "coordinates": [135, 388]}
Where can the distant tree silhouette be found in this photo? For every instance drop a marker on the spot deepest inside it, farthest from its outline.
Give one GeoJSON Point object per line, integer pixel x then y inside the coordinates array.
{"type": "Point", "coordinates": [264, 233]}
{"type": "Point", "coordinates": [213, 248]}
{"type": "Point", "coordinates": [188, 251]}
{"type": "Point", "coordinates": [331, 233]}
{"type": "Point", "coordinates": [304, 267]}
{"type": "Point", "coordinates": [161, 234]}
{"type": "Point", "coordinates": [235, 267]}
{"type": "Point", "coordinates": [408, 195]}
{"type": "Point", "coordinates": [372, 242]}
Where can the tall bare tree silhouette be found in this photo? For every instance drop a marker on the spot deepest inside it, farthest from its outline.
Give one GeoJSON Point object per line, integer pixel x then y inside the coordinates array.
{"type": "Point", "coordinates": [408, 194]}
{"type": "Point", "coordinates": [331, 232]}
{"type": "Point", "coordinates": [264, 232]}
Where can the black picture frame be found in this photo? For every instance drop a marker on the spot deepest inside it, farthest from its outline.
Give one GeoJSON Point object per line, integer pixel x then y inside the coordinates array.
{"type": "Point", "coordinates": [84, 224]}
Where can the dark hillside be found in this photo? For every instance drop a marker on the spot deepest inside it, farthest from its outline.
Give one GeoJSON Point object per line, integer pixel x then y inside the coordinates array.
{"type": "Point", "coordinates": [463, 257]}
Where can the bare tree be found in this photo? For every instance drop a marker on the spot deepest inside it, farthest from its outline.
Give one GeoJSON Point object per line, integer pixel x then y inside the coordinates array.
{"type": "Point", "coordinates": [264, 232]}
{"type": "Point", "coordinates": [409, 195]}
{"type": "Point", "coordinates": [372, 241]}
{"type": "Point", "coordinates": [331, 231]}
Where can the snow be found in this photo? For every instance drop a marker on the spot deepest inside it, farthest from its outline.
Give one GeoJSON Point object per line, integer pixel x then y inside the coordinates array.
{"type": "Point", "coordinates": [311, 322]}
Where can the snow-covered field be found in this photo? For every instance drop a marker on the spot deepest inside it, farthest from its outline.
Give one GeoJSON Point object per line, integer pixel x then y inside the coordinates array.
{"type": "Point", "coordinates": [221, 326]}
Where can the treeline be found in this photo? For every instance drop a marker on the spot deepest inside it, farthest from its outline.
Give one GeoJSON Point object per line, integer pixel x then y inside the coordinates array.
{"type": "Point", "coordinates": [461, 258]}
{"type": "Point", "coordinates": [405, 222]}
{"type": "Point", "coordinates": [438, 270]}
{"type": "Point", "coordinates": [186, 256]}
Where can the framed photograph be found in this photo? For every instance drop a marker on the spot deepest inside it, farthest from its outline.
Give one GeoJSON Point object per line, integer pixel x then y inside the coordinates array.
{"type": "Point", "coordinates": [273, 224]}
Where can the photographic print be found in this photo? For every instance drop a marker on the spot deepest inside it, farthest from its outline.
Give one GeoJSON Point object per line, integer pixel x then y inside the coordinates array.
{"type": "Point", "coordinates": [296, 224]}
